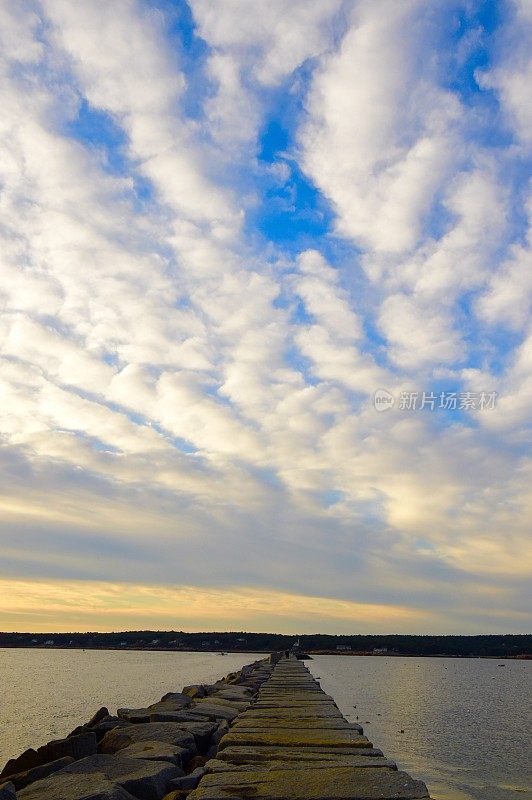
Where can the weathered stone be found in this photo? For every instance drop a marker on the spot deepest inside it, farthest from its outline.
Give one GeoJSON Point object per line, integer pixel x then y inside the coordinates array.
{"type": "Point", "coordinates": [242, 693]}
{"type": "Point", "coordinates": [209, 710]}
{"type": "Point", "coordinates": [7, 791]}
{"type": "Point", "coordinates": [167, 732]}
{"type": "Point", "coordinates": [215, 687]}
{"type": "Point", "coordinates": [134, 715]}
{"type": "Point", "coordinates": [178, 699]}
{"type": "Point", "coordinates": [147, 780]}
{"type": "Point", "coordinates": [327, 783]}
{"type": "Point", "coordinates": [290, 760]}
{"type": "Point", "coordinates": [295, 702]}
{"type": "Point", "coordinates": [284, 684]}
{"type": "Point", "coordinates": [189, 781]}
{"type": "Point", "coordinates": [197, 761]}
{"type": "Point", "coordinates": [108, 724]}
{"type": "Point", "coordinates": [216, 699]}
{"type": "Point", "coordinates": [79, 746]}
{"type": "Point", "coordinates": [201, 731]}
{"type": "Point", "coordinates": [173, 701]}
{"type": "Point", "coordinates": [288, 737]}
{"type": "Point", "coordinates": [94, 786]}
{"type": "Point", "coordinates": [156, 751]}
{"type": "Point", "coordinates": [28, 759]}
{"type": "Point", "coordinates": [189, 715]}
{"type": "Point", "coordinates": [220, 732]}
{"type": "Point", "coordinates": [194, 690]}
{"type": "Point", "coordinates": [324, 711]}
{"type": "Point", "coordinates": [334, 723]}
{"type": "Point", "coordinates": [253, 755]}
{"type": "Point", "coordinates": [23, 779]}
{"type": "Point", "coordinates": [101, 714]}
{"type": "Point", "coordinates": [293, 699]}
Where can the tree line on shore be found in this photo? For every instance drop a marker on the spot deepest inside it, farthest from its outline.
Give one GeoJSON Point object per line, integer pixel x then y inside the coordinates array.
{"type": "Point", "coordinates": [485, 645]}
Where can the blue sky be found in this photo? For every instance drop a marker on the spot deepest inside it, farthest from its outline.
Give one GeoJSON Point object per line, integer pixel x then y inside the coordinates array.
{"type": "Point", "coordinates": [224, 229]}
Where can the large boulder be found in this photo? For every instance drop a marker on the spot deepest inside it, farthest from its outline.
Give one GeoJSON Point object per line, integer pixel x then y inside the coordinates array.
{"type": "Point", "coordinates": [212, 688]}
{"type": "Point", "coordinates": [210, 709]}
{"type": "Point", "coordinates": [323, 783]}
{"type": "Point", "coordinates": [217, 699]}
{"type": "Point", "coordinates": [23, 779]}
{"type": "Point", "coordinates": [201, 731]}
{"type": "Point", "coordinates": [195, 690]}
{"type": "Point", "coordinates": [146, 780]}
{"type": "Point", "coordinates": [7, 791]}
{"type": "Point", "coordinates": [173, 701]}
{"type": "Point", "coordinates": [93, 786]}
{"type": "Point", "coordinates": [80, 746]}
{"type": "Point", "coordinates": [168, 732]}
{"type": "Point", "coordinates": [242, 693]}
{"type": "Point", "coordinates": [107, 724]}
{"type": "Point", "coordinates": [221, 730]}
{"type": "Point", "coordinates": [189, 781]}
{"type": "Point", "coordinates": [156, 751]}
{"type": "Point", "coordinates": [98, 716]}
{"type": "Point", "coordinates": [175, 697]}
{"type": "Point", "coordinates": [27, 760]}
{"type": "Point", "coordinates": [134, 715]}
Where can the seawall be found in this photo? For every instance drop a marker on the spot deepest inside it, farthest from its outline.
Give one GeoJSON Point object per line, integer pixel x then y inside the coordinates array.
{"type": "Point", "coordinates": [266, 731]}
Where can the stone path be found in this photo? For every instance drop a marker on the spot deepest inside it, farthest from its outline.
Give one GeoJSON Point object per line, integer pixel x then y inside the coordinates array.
{"type": "Point", "coordinates": [294, 744]}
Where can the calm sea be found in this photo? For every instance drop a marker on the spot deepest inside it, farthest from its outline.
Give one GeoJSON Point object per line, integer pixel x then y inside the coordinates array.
{"type": "Point", "coordinates": [466, 721]}
{"type": "Point", "coordinates": [44, 694]}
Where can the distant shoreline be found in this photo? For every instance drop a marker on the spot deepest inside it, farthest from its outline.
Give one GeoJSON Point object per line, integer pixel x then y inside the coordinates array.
{"type": "Point", "coordinates": [140, 649]}
{"type": "Point", "coordinates": [410, 645]}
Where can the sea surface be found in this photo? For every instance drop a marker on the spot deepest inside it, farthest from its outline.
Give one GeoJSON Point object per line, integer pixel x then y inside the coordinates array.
{"type": "Point", "coordinates": [45, 694]}
{"type": "Point", "coordinates": [465, 721]}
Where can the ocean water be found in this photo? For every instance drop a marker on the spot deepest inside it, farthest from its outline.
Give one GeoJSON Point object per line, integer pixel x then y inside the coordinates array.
{"type": "Point", "coordinates": [466, 721]}
{"type": "Point", "coordinates": [44, 694]}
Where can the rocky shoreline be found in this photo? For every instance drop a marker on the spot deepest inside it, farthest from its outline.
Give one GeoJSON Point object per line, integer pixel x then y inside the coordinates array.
{"type": "Point", "coordinates": [267, 732]}
{"type": "Point", "coordinates": [141, 753]}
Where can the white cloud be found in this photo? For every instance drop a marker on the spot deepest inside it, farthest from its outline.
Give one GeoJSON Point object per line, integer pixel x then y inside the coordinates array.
{"type": "Point", "coordinates": [417, 334]}
{"type": "Point", "coordinates": [252, 52]}
{"type": "Point", "coordinates": [274, 44]}
{"type": "Point", "coordinates": [164, 374]}
{"type": "Point", "coordinates": [379, 139]}
{"type": "Point", "coordinates": [512, 75]}
{"type": "Point", "coordinates": [508, 295]}
{"type": "Point", "coordinates": [126, 69]}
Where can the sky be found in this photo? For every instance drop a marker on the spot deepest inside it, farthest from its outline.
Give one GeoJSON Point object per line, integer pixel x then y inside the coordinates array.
{"type": "Point", "coordinates": [265, 315]}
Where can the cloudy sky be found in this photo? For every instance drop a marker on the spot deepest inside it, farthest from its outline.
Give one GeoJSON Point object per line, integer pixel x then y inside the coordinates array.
{"type": "Point", "coordinates": [225, 225]}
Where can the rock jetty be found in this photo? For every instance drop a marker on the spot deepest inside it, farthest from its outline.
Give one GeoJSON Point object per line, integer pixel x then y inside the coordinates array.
{"type": "Point", "coordinates": [267, 731]}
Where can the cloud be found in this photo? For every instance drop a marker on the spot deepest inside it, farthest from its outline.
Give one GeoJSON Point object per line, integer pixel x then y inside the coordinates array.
{"type": "Point", "coordinates": [379, 138]}
{"type": "Point", "coordinates": [253, 52]}
{"type": "Point", "coordinates": [186, 407]}
{"type": "Point", "coordinates": [188, 608]}
{"type": "Point", "coordinates": [512, 72]}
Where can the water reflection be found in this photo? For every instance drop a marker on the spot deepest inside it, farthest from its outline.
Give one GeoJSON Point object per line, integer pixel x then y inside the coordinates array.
{"type": "Point", "coordinates": [464, 720]}
{"type": "Point", "coordinates": [46, 693]}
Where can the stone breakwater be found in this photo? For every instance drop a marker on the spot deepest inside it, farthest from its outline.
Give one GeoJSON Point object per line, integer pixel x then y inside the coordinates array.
{"type": "Point", "coordinates": [267, 731]}
{"type": "Point", "coordinates": [141, 753]}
